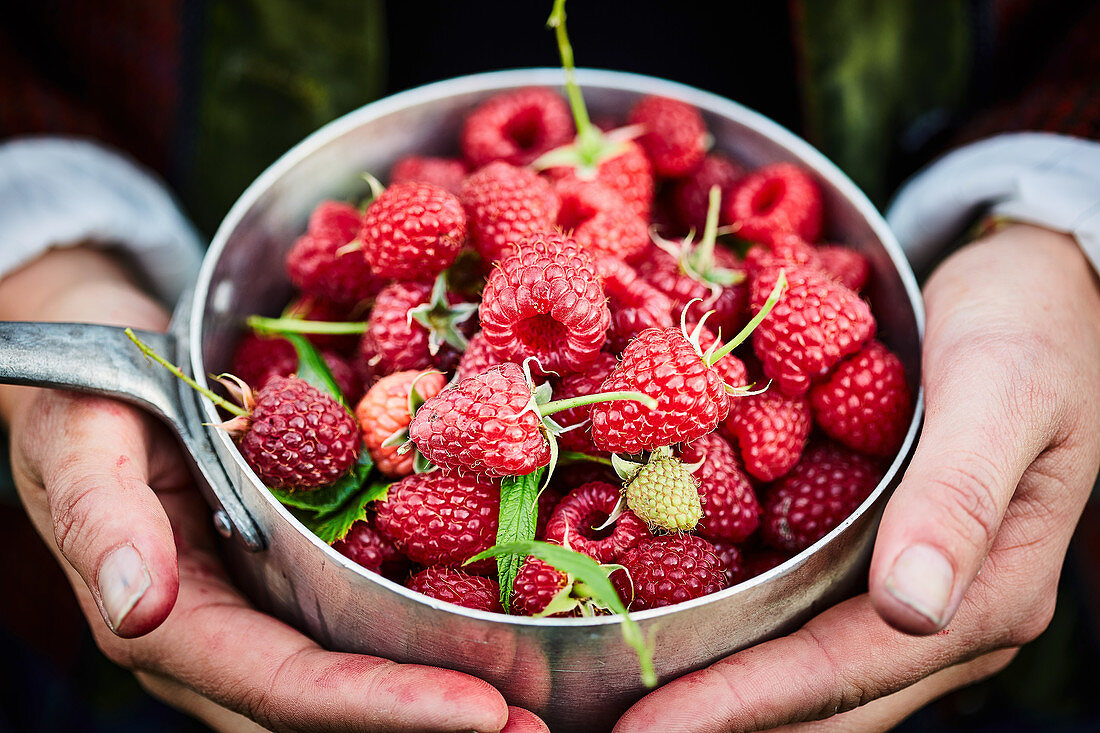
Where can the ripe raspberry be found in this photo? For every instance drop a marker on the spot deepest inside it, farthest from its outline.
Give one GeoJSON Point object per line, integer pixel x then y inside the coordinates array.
{"type": "Point", "coordinates": [505, 204]}
{"type": "Point", "coordinates": [365, 545]}
{"type": "Point", "coordinates": [478, 357]}
{"type": "Point", "coordinates": [771, 430]}
{"type": "Point", "coordinates": [400, 342]}
{"type": "Point", "coordinates": [322, 265]}
{"type": "Point", "coordinates": [730, 510]}
{"type": "Point", "coordinates": [413, 231]}
{"type": "Point", "coordinates": [629, 174]}
{"type": "Point", "coordinates": [298, 438]}
{"type": "Point", "coordinates": [384, 411]}
{"type": "Point", "coordinates": [784, 250]}
{"type": "Point", "coordinates": [848, 267]}
{"type": "Point", "coordinates": [310, 308]}
{"type": "Point", "coordinates": [733, 562]}
{"type": "Point", "coordinates": [675, 135]}
{"type": "Point", "coordinates": [691, 400]}
{"type": "Point", "coordinates": [549, 498]}
{"type": "Point", "coordinates": [516, 127]}
{"type": "Point", "coordinates": [597, 218]}
{"type": "Point", "coordinates": [776, 198]}
{"type": "Point", "coordinates": [664, 273]}
{"type": "Point", "coordinates": [635, 304]}
{"type": "Point", "coordinates": [258, 358]}
{"type": "Point", "coordinates": [667, 570]}
{"type": "Point", "coordinates": [689, 196]}
{"type": "Point", "coordinates": [442, 517]}
{"type": "Point", "coordinates": [576, 385]}
{"type": "Point", "coordinates": [816, 324]}
{"type": "Point", "coordinates": [866, 403]}
{"type": "Point", "coordinates": [537, 584]}
{"type": "Point", "coordinates": [446, 173]}
{"type": "Point", "coordinates": [664, 494]}
{"type": "Point", "coordinates": [546, 301]}
{"type": "Point", "coordinates": [817, 495]}
{"type": "Point", "coordinates": [730, 368]}
{"type": "Point", "coordinates": [582, 510]}
{"type": "Point", "coordinates": [457, 587]}
{"type": "Point", "coordinates": [485, 424]}
{"type": "Point", "coordinates": [761, 560]}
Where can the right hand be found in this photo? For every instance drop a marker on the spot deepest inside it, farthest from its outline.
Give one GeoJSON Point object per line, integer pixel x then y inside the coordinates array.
{"type": "Point", "coordinates": [105, 486]}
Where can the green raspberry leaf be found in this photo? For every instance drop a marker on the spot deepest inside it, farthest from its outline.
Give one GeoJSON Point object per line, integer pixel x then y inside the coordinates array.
{"type": "Point", "coordinates": [587, 571]}
{"type": "Point", "coordinates": [313, 369]}
{"type": "Point", "coordinates": [329, 498]}
{"type": "Point", "coordinates": [333, 526]}
{"type": "Point", "coordinates": [519, 509]}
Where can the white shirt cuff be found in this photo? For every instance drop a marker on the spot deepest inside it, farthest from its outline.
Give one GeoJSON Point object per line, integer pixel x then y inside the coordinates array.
{"type": "Point", "coordinates": [57, 192]}
{"type": "Point", "coordinates": [1049, 180]}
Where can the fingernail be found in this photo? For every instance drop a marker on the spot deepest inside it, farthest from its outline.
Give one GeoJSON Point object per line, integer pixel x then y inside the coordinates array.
{"type": "Point", "coordinates": [922, 579]}
{"type": "Point", "coordinates": [123, 580]}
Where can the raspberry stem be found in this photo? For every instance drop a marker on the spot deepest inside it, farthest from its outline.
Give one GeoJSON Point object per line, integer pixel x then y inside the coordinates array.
{"type": "Point", "coordinates": [175, 370]}
{"type": "Point", "coordinates": [773, 298]}
{"type": "Point", "coordinates": [702, 257]}
{"type": "Point", "coordinates": [588, 137]}
{"type": "Point", "coordinates": [590, 399]}
{"type": "Point", "coordinates": [264, 325]}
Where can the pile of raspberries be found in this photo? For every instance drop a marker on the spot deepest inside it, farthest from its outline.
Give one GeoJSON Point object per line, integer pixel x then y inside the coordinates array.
{"type": "Point", "coordinates": [486, 281]}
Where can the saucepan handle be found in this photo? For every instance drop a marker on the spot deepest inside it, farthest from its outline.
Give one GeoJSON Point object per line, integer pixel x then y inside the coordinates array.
{"type": "Point", "coordinates": [102, 360]}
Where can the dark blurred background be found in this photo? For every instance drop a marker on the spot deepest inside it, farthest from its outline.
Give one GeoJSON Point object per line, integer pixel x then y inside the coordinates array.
{"type": "Point", "coordinates": [210, 93]}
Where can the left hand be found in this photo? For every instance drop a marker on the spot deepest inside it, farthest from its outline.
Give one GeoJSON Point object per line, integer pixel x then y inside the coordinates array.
{"type": "Point", "coordinates": [1005, 463]}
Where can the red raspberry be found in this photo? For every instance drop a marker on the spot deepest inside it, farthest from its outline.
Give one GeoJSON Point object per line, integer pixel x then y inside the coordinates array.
{"type": "Point", "coordinates": [537, 584]}
{"type": "Point", "coordinates": [663, 272]}
{"type": "Point", "coordinates": [866, 403]}
{"type": "Point", "coordinates": [484, 424]}
{"type": "Point", "coordinates": [446, 173]}
{"type": "Point", "coordinates": [345, 375]}
{"type": "Point", "coordinates": [384, 411]}
{"type": "Point", "coordinates": [310, 308]}
{"type": "Point", "coordinates": [733, 562]}
{"type": "Point", "coordinates": [457, 587]}
{"type": "Point", "coordinates": [598, 219]}
{"type": "Point", "coordinates": [690, 196]}
{"type": "Point", "coordinates": [817, 495]}
{"type": "Point", "coordinates": [691, 400]}
{"type": "Point", "coordinates": [635, 304]}
{"type": "Point", "coordinates": [629, 174]}
{"type": "Point", "coordinates": [776, 198]}
{"type": "Point", "coordinates": [667, 570]}
{"type": "Point", "coordinates": [814, 325]}
{"type": "Point", "coordinates": [413, 231]}
{"type": "Point", "coordinates": [298, 438]}
{"type": "Point", "coordinates": [549, 498]}
{"type": "Point", "coordinates": [478, 357]}
{"type": "Point", "coordinates": [576, 385]}
{"type": "Point", "coordinates": [759, 561]}
{"type": "Point", "coordinates": [505, 204]}
{"type": "Point", "coordinates": [675, 135]}
{"type": "Point", "coordinates": [442, 517]}
{"type": "Point", "coordinates": [367, 546]}
{"type": "Point", "coordinates": [848, 267]}
{"type": "Point", "coordinates": [322, 264]}
{"type": "Point", "coordinates": [546, 301]}
{"type": "Point", "coordinates": [582, 510]}
{"type": "Point", "coordinates": [771, 430]}
{"type": "Point", "coordinates": [730, 510]}
{"type": "Point", "coordinates": [784, 250]}
{"type": "Point", "coordinates": [730, 368]}
{"type": "Point", "coordinates": [516, 127]}
{"type": "Point", "coordinates": [258, 358]}
{"type": "Point", "coordinates": [401, 343]}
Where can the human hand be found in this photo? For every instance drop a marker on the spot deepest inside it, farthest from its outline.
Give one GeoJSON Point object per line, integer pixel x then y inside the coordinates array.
{"type": "Point", "coordinates": [1005, 463]}
{"type": "Point", "coordinates": [105, 486]}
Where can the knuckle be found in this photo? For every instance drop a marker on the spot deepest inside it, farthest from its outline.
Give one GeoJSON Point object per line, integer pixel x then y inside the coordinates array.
{"type": "Point", "coordinates": [967, 488]}
{"type": "Point", "coordinates": [844, 692]}
{"type": "Point", "coordinates": [72, 510]}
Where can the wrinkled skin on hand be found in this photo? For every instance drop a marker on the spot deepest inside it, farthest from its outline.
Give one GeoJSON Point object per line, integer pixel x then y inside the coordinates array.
{"type": "Point", "coordinates": [106, 488]}
{"type": "Point", "coordinates": [1007, 458]}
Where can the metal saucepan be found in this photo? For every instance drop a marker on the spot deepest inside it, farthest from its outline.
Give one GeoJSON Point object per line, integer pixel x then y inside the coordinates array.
{"type": "Point", "coordinates": [575, 673]}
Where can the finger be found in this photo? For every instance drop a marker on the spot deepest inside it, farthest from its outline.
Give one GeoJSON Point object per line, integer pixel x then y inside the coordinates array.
{"type": "Point", "coordinates": [222, 649]}
{"type": "Point", "coordinates": [984, 425]}
{"type": "Point", "coordinates": [523, 721]}
{"type": "Point", "coordinates": [841, 659]}
{"type": "Point", "coordinates": [887, 712]}
{"type": "Point", "coordinates": [91, 457]}
{"type": "Point", "coordinates": [213, 715]}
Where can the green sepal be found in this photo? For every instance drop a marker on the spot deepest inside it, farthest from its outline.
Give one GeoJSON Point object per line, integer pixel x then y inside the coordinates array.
{"type": "Point", "coordinates": [442, 319]}
{"type": "Point", "coordinates": [584, 569]}
{"type": "Point", "coordinates": [518, 519]}
{"type": "Point", "coordinates": [313, 369]}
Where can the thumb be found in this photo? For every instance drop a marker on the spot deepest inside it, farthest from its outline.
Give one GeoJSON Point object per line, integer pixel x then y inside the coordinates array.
{"type": "Point", "coordinates": [982, 430]}
{"type": "Point", "coordinates": [92, 459]}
